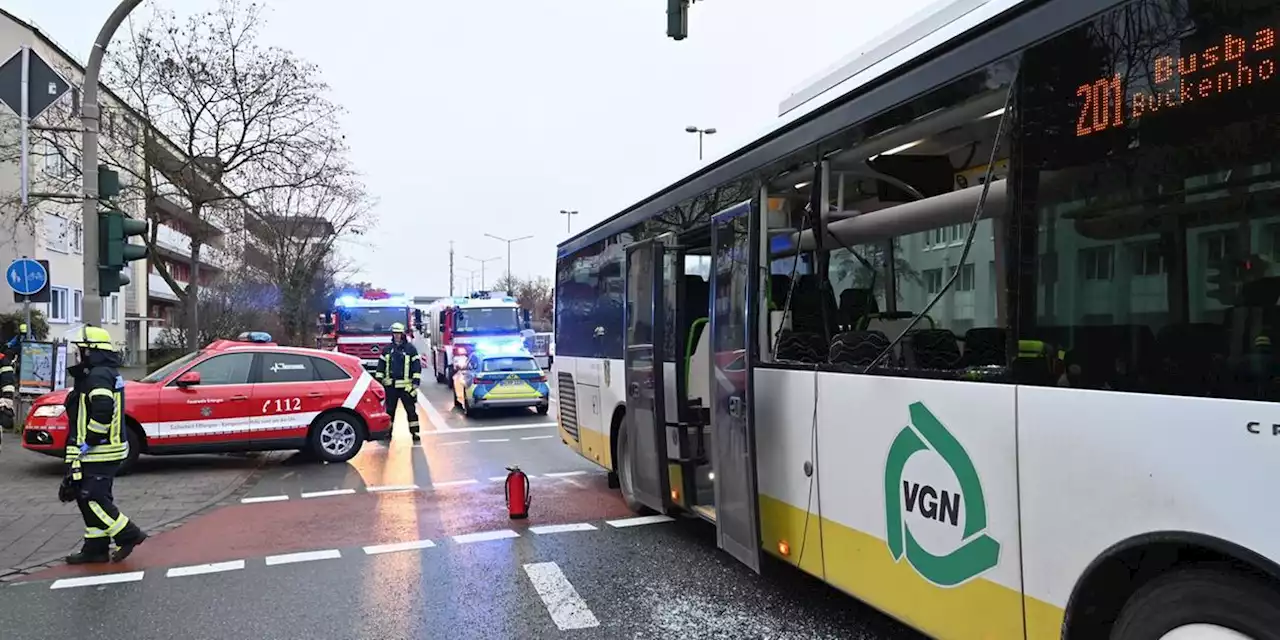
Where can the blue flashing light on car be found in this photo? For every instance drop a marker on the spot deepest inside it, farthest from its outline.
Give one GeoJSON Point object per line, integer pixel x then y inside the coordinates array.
{"type": "Point", "coordinates": [490, 347]}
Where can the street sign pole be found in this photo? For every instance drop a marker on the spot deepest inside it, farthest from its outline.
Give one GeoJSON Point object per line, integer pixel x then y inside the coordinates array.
{"type": "Point", "coordinates": [24, 181]}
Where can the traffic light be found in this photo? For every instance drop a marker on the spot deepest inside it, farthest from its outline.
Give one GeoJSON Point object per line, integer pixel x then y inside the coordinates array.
{"type": "Point", "coordinates": [115, 252]}
{"type": "Point", "coordinates": [677, 19]}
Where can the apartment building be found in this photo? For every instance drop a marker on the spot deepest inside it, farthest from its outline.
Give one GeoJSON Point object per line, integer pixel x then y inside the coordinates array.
{"type": "Point", "coordinates": [51, 229]}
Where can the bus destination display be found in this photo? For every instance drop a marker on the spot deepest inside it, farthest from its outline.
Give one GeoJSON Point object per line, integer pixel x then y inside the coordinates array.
{"type": "Point", "coordinates": [1235, 63]}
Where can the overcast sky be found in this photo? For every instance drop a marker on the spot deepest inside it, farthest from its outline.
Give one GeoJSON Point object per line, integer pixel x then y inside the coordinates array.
{"type": "Point", "coordinates": [493, 115]}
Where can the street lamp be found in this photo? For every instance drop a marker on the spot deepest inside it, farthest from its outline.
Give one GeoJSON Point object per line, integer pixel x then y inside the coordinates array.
{"type": "Point", "coordinates": [568, 219]}
{"type": "Point", "coordinates": [708, 131]}
{"type": "Point", "coordinates": [508, 241]}
{"type": "Point", "coordinates": [471, 279]}
{"type": "Point", "coordinates": [482, 263]}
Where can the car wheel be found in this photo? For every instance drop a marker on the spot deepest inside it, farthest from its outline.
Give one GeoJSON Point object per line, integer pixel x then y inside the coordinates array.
{"type": "Point", "coordinates": [626, 473]}
{"type": "Point", "coordinates": [336, 437]}
{"type": "Point", "coordinates": [544, 409]}
{"type": "Point", "coordinates": [1203, 603]}
{"type": "Point", "coordinates": [135, 450]}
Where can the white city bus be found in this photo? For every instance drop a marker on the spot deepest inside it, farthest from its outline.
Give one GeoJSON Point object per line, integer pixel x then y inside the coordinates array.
{"type": "Point", "coordinates": [982, 335]}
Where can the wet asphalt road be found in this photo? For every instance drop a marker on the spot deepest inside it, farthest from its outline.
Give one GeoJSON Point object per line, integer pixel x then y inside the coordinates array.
{"type": "Point", "coordinates": [307, 556]}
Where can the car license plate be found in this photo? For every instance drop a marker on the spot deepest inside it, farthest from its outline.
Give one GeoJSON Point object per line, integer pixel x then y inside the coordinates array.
{"type": "Point", "coordinates": [512, 383]}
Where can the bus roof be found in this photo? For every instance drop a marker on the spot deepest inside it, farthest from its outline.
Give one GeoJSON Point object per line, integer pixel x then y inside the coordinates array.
{"type": "Point", "coordinates": [965, 35]}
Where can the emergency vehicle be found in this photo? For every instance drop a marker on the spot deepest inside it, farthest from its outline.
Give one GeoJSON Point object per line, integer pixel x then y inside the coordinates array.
{"type": "Point", "coordinates": [457, 326]}
{"type": "Point", "coordinates": [361, 325]}
{"type": "Point", "coordinates": [500, 380]}
{"type": "Point", "coordinates": [248, 394]}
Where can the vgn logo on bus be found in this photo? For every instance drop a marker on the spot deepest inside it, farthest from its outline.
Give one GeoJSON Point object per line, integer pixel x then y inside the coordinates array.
{"type": "Point", "coordinates": [934, 508]}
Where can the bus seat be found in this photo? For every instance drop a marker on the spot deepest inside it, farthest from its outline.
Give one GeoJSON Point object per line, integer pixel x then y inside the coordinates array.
{"type": "Point", "coordinates": [893, 324]}
{"type": "Point", "coordinates": [799, 346]}
{"type": "Point", "coordinates": [699, 363]}
{"type": "Point", "coordinates": [931, 349]}
{"type": "Point", "coordinates": [856, 307]}
{"type": "Point", "coordinates": [859, 348]}
{"type": "Point", "coordinates": [985, 346]}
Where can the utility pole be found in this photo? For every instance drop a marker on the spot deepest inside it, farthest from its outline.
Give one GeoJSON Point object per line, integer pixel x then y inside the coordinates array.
{"type": "Point", "coordinates": [568, 220]}
{"type": "Point", "coordinates": [92, 299]}
{"type": "Point", "coordinates": [450, 268]}
{"type": "Point", "coordinates": [508, 250]}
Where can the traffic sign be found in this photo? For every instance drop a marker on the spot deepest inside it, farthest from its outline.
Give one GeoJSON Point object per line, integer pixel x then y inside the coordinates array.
{"type": "Point", "coordinates": [27, 277]}
{"type": "Point", "coordinates": [45, 84]}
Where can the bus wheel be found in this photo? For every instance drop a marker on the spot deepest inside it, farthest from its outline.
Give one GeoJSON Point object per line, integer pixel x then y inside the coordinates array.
{"type": "Point", "coordinates": [1201, 603]}
{"type": "Point", "coordinates": [626, 472]}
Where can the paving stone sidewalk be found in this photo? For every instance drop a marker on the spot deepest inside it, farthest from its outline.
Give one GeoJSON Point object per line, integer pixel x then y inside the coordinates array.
{"type": "Point", "coordinates": [35, 527]}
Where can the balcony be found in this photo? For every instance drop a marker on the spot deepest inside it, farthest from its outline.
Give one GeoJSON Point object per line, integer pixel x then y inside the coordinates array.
{"type": "Point", "coordinates": [157, 288]}
{"type": "Point", "coordinates": [177, 245]}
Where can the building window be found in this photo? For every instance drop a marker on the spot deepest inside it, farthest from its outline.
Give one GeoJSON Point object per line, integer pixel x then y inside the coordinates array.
{"type": "Point", "coordinates": [58, 304]}
{"type": "Point", "coordinates": [111, 309]}
{"type": "Point", "coordinates": [55, 233]}
{"type": "Point", "coordinates": [76, 236]}
{"type": "Point", "coordinates": [932, 280]}
{"type": "Point", "coordinates": [77, 305]}
{"type": "Point", "coordinates": [965, 281]}
{"type": "Point", "coordinates": [1096, 263]}
{"type": "Point", "coordinates": [1147, 260]}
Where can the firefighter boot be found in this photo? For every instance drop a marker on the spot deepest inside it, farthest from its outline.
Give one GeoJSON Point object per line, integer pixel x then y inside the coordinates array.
{"type": "Point", "coordinates": [93, 552]}
{"type": "Point", "coordinates": [131, 537]}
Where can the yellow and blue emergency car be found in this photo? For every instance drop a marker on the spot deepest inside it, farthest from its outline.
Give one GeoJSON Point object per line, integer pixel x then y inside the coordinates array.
{"type": "Point", "coordinates": [501, 378]}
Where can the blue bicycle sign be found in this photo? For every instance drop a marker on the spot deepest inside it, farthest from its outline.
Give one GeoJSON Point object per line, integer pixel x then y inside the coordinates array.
{"type": "Point", "coordinates": [26, 277]}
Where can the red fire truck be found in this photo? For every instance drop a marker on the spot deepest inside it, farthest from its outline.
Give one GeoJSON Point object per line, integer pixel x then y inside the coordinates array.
{"type": "Point", "coordinates": [360, 325]}
{"type": "Point", "coordinates": [487, 320]}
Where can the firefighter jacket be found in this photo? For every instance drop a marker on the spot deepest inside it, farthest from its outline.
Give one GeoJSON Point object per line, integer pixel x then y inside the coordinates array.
{"type": "Point", "coordinates": [8, 374]}
{"type": "Point", "coordinates": [95, 411]}
{"type": "Point", "coordinates": [399, 366]}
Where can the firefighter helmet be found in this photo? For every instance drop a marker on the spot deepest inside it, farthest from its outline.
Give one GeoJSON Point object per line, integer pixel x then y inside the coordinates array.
{"type": "Point", "coordinates": [396, 327]}
{"type": "Point", "coordinates": [94, 338]}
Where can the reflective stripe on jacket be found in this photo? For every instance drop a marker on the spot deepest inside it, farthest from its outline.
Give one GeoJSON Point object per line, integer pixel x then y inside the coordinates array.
{"type": "Point", "coordinates": [399, 366]}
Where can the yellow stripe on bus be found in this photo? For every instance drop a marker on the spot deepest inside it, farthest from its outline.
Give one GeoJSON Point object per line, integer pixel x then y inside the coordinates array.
{"type": "Point", "coordinates": [860, 564]}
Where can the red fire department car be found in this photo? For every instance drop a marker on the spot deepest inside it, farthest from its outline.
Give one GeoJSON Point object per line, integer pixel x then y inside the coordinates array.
{"type": "Point", "coordinates": [239, 395]}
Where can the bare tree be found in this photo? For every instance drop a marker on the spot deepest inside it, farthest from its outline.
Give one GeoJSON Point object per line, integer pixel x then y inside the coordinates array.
{"type": "Point", "coordinates": [300, 230]}
{"type": "Point", "coordinates": [533, 294]}
{"type": "Point", "coordinates": [225, 120]}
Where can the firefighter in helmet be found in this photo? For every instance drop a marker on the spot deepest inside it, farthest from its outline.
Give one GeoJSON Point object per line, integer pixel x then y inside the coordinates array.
{"type": "Point", "coordinates": [97, 445]}
{"type": "Point", "coordinates": [400, 371]}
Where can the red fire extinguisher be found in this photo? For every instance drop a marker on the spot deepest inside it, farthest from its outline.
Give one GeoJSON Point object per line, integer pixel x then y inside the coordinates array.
{"type": "Point", "coordinates": [518, 495]}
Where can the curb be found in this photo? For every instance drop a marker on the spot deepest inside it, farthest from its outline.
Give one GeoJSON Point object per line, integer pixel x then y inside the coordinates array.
{"type": "Point", "coordinates": [12, 573]}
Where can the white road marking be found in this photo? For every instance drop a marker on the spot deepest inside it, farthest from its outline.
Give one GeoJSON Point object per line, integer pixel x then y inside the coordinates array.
{"type": "Point", "coordinates": [565, 474]}
{"type": "Point", "coordinates": [453, 483]}
{"type": "Point", "coordinates": [325, 494]}
{"type": "Point", "coordinates": [201, 569]}
{"type": "Point", "coordinates": [562, 528]}
{"type": "Point", "coordinates": [485, 536]}
{"type": "Point", "coordinates": [92, 581]}
{"type": "Point", "coordinates": [540, 425]}
{"type": "Point", "coordinates": [537, 437]}
{"type": "Point", "coordinates": [433, 416]}
{"type": "Point", "coordinates": [494, 440]}
{"type": "Point", "coordinates": [635, 522]}
{"type": "Point", "coordinates": [568, 610]}
{"type": "Point", "coordinates": [257, 499]}
{"type": "Point", "coordinates": [501, 478]}
{"type": "Point", "coordinates": [305, 556]}
{"type": "Point", "coordinates": [446, 444]}
{"type": "Point", "coordinates": [398, 546]}
{"type": "Point", "coordinates": [393, 487]}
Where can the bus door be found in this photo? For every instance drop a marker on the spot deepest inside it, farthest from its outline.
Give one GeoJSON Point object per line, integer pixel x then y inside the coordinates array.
{"type": "Point", "coordinates": [646, 464]}
{"type": "Point", "coordinates": [733, 457]}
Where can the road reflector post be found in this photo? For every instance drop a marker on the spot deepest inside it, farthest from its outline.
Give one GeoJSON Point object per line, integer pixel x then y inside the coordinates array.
{"type": "Point", "coordinates": [518, 495]}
